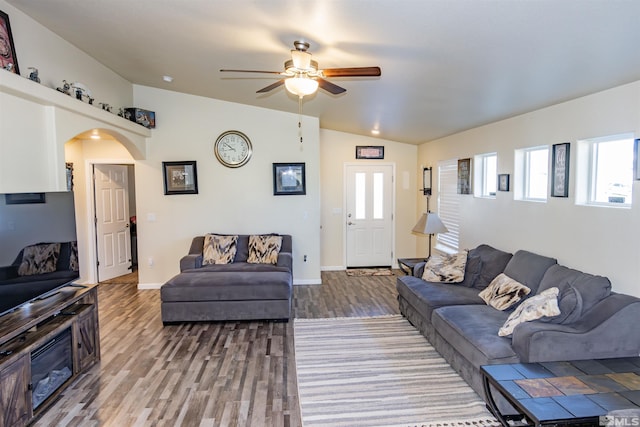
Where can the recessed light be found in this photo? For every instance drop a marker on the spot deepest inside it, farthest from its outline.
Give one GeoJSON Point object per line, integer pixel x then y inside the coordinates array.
{"type": "Point", "coordinates": [167, 79]}
{"type": "Point", "coordinates": [95, 134]}
{"type": "Point", "coordinates": [375, 131]}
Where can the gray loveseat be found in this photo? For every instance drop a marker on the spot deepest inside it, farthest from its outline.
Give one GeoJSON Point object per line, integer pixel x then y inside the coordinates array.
{"type": "Point", "coordinates": [594, 323]}
{"type": "Point", "coordinates": [238, 290]}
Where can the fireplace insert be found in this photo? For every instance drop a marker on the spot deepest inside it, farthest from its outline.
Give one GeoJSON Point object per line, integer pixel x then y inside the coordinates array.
{"type": "Point", "coordinates": [51, 366]}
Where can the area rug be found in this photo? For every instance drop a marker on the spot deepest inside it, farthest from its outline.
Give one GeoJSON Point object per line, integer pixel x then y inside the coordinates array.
{"type": "Point", "coordinates": [378, 371]}
{"type": "Point", "coordinates": [369, 272]}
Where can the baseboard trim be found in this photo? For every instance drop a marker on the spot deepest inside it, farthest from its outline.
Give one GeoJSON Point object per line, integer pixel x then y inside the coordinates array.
{"type": "Point", "coordinates": [145, 286]}
{"type": "Point", "coordinates": [307, 282]}
{"type": "Point", "coordinates": [333, 268]}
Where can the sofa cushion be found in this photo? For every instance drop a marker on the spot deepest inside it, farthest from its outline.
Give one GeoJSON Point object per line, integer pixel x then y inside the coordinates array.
{"type": "Point", "coordinates": [591, 288]}
{"type": "Point", "coordinates": [493, 263]}
{"type": "Point", "coordinates": [39, 259]}
{"type": "Point", "coordinates": [426, 296]}
{"type": "Point", "coordinates": [503, 292]}
{"type": "Point", "coordinates": [227, 286]}
{"type": "Point", "coordinates": [445, 268]}
{"type": "Point", "coordinates": [264, 249]}
{"type": "Point", "coordinates": [570, 305]}
{"type": "Point", "coordinates": [472, 270]}
{"type": "Point", "coordinates": [528, 268]}
{"type": "Point", "coordinates": [219, 249]}
{"type": "Point", "coordinates": [473, 331]}
{"type": "Point", "coordinates": [545, 304]}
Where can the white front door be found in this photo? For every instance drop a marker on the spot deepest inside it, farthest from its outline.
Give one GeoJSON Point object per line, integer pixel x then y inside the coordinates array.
{"type": "Point", "coordinates": [369, 215]}
{"type": "Point", "coordinates": [112, 220]}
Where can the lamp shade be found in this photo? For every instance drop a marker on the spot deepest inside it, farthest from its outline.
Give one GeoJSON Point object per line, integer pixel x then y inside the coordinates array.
{"type": "Point", "coordinates": [429, 223]}
{"type": "Point", "coordinates": [301, 86]}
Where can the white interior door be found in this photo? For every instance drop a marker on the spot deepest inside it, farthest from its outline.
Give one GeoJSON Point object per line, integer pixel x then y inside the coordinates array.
{"type": "Point", "coordinates": [112, 221]}
{"type": "Point", "coordinates": [369, 215]}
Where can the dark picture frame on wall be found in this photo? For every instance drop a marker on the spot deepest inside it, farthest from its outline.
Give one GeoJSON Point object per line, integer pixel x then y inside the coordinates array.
{"type": "Point", "coordinates": [289, 179]}
{"type": "Point", "coordinates": [370, 152]}
{"type": "Point", "coordinates": [6, 42]}
{"type": "Point", "coordinates": [180, 177]}
{"type": "Point", "coordinates": [464, 176]}
{"type": "Point", "coordinates": [560, 156]}
{"type": "Point", "coordinates": [503, 182]}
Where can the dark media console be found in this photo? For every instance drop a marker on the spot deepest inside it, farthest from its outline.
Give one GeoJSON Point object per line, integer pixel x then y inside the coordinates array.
{"type": "Point", "coordinates": [44, 346]}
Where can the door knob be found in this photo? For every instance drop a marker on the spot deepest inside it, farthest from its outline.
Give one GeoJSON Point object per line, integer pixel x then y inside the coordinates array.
{"type": "Point", "coordinates": [350, 223]}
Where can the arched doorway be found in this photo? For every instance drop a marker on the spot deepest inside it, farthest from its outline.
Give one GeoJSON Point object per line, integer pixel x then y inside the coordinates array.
{"type": "Point", "coordinates": [92, 153]}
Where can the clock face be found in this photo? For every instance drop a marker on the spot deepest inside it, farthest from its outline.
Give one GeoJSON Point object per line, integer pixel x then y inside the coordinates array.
{"type": "Point", "coordinates": [233, 149]}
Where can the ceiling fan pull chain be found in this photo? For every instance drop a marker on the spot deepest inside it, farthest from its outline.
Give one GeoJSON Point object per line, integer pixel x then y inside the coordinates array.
{"type": "Point", "coordinates": [300, 118]}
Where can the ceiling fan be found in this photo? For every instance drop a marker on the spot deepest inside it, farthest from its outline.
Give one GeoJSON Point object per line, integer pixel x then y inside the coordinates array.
{"type": "Point", "coordinates": [302, 76]}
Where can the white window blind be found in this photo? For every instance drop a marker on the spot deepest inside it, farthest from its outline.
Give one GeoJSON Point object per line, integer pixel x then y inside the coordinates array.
{"type": "Point", "coordinates": [449, 203]}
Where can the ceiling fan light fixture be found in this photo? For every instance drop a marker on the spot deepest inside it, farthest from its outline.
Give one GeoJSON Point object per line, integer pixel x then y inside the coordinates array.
{"type": "Point", "coordinates": [301, 85]}
{"type": "Point", "coordinates": [301, 60]}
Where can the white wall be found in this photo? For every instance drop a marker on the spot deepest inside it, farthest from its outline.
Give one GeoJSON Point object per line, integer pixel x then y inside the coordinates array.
{"type": "Point", "coordinates": [596, 240]}
{"type": "Point", "coordinates": [338, 148]}
{"type": "Point", "coordinates": [230, 200]}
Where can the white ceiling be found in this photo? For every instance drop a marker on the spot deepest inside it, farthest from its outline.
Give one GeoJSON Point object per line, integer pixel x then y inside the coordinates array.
{"type": "Point", "coordinates": [447, 65]}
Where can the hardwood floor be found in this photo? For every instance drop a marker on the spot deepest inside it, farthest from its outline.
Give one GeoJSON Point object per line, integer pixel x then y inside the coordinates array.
{"type": "Point", "coordinates": [203, 374]}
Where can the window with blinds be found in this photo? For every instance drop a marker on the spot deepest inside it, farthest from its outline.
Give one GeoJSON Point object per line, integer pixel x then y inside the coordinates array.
{"type": "Point", "coordinates": [449, 204]}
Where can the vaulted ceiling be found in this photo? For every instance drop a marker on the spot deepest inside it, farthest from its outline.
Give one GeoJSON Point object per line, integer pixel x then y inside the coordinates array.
{"type": "Point", "coordinates": [447, 65]}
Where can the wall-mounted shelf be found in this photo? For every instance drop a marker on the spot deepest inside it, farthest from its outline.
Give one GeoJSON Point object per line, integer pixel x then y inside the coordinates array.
{"type": "Point", "coordinates": [26, 89]}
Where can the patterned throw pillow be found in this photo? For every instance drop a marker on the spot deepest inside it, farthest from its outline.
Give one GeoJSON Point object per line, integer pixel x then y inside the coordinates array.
{"type": "Point", "coordinates": [445, 268]}
{"type": "Point", "coordinates": [545, 304]}
{"type": "Point", "coordinates": [39, 259]}
{"type": "Point", "coordinates": [503, 292]}
{"type": "Point", "coordinates": [219, 249]}
{"type": "Point", "coordinates": [264, 249]}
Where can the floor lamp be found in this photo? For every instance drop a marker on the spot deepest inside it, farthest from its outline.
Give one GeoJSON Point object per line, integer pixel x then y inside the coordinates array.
{"type": "Point", "coordinates": [430, 224]}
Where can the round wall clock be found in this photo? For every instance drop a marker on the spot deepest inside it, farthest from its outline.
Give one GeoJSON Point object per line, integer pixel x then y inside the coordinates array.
{"type": "Point", "coordinates": [233, 149]}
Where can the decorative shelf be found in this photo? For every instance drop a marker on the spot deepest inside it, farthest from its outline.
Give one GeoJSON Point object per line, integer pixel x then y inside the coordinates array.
{"type": "Point", "coordinates": [24, 88]}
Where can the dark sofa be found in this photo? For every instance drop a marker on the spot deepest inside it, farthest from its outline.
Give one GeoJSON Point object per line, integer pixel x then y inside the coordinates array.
{"type": "Point", "coordinates": [16, 288]}
{"type": "Point", "coordinates": [238, 290]}
{"type": "Point", "coordinates": [595, 323]}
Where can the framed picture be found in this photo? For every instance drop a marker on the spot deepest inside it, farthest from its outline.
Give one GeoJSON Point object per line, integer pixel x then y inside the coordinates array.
{"type": "Point", "coordinates": [369, 152]}
{"type": "Point", "coordinates": [8, 59]}
{"type": "Point", "coordinates": [24, 198]}
{"type": "Point", "coordinates": [560, 170]}
{"type": "Point", "coordinates": [636, 159]}
{"type": "Point", "coordinates": [289, 179]}
{"type": "Point", "coordinates": [464, 176]}
{"type": "Point", "coordinates": [180, 177]}
{"type": "Point", "coordinates": [503, 182]}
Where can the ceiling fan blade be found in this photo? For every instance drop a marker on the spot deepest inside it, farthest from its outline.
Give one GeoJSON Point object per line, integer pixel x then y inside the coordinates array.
{"type": "Point", "coordinates": [330, 87]}
{"type": "Point", "coordinates": [352, 72]}
{"type": "Point", "coordinates": [250, 71]}
{"type": "Point", "coordinates": [271, 86]}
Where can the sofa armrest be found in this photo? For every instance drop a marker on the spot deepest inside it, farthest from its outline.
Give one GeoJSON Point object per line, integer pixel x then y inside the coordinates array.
{"type": "Point", "coordinates": [608, 330]}
{"type": "Point", "coordinates": [285, 259]}
{"type": "Point", "coordinates": [190, 261]}
{"type": "Point", "coordinates": [418, 269]}
{"type": "Point", "coordinates": [9, 272]}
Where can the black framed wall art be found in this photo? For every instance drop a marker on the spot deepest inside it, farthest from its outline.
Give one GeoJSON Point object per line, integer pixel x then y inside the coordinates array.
{"type": "Point", "coordinates": [560, 170]}
{"type": "Point", "coordinates": [289, 179]}
{"type": "Point", "coordinates": [180, 177]}
{"type": "Point", "coordinates": [370, 152]}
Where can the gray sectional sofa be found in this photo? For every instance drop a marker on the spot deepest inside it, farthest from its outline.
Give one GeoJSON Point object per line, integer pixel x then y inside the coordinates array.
{"type": "Point", "coordinates": [238, 290]}
{"type": "Point", "coordinates": [595, 323]}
